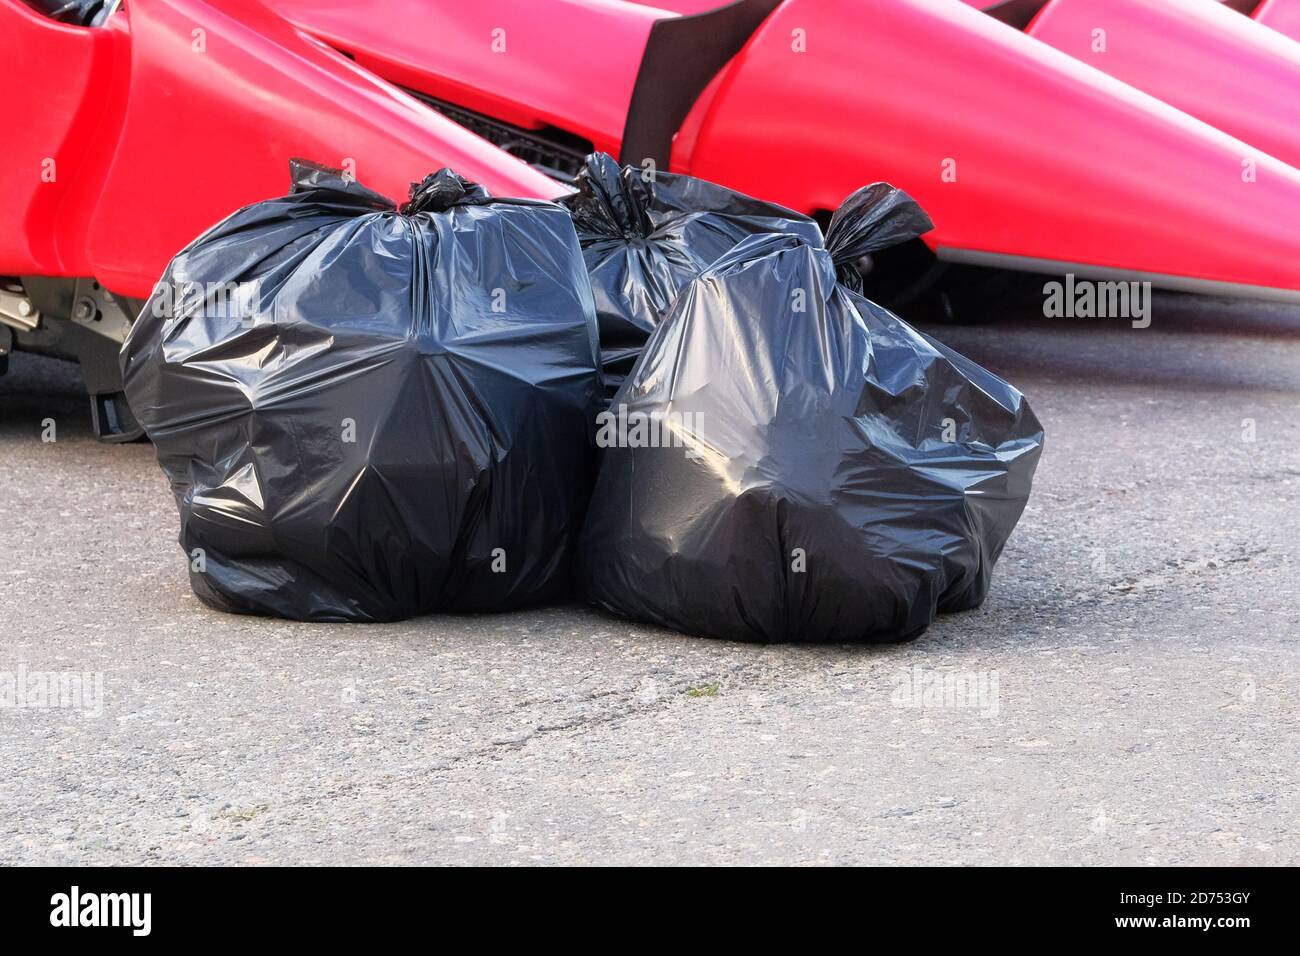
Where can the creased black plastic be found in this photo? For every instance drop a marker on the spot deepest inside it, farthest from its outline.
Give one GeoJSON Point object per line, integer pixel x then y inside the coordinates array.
{"type": "Point", "coordinates": [822, 470]}
{"type": "Point", "coordinates": [645, 237]}
{"type": "Point", "coordinates": [396, 418]}
{"type": "Point", "coordinates": [873, 218]}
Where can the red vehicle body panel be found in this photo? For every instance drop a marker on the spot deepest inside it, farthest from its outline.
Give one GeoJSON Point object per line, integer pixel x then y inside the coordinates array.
{"type": "Point", "coordinates": [157, 132]}
{"type": "Point", "coordinates": [565, 63]}
{"type": "Point", "coordinates": [684, 7]}
{"type": "Point", "coordinates": [1054, 160]}
{"type": "Point", "coordinates": [1280, 15]}
{"type": "Point", "coordinates": [1056, 163]}
{"type": "Point", "coordinates": [57, 80]}
{"type": "Point", "coordinates": [1197, 55]}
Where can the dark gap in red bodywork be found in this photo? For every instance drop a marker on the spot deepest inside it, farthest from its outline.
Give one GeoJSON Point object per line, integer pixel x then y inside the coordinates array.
{"type": "Point", "coordinates": [1016, 13]}
{"type": "Point", "coordinates": [551, 150]}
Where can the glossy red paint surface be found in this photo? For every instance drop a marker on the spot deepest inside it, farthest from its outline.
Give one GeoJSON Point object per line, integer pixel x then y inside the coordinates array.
{"type": "Point", "coordinates": [167, 131]}
{"type": "Point", "coordinates": [565, 63]}
{"type": "Point", "coordinates": [56, 81]}
{"type": "Point", "coordinates": [1197, 55]}
{"type": "Point", "coordinates": [154, 141]}
{"type": "Point", "coordinates": [1280, 15]}
{"type": "Point", "coordinates": [683, 7]}
{"type": "Point", "coordinates": [1052, 159]}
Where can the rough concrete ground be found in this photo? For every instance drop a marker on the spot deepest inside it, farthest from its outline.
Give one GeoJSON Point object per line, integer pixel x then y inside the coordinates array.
{"type": "Point", "coordinates": [1142, 631]}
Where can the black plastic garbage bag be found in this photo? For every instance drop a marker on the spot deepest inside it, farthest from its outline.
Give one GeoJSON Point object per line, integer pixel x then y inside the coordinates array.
{"type": "Point", "coordinates": [369, 414]}
{"type": "Point", "coordinates": [790, 462]}
{"type": "Point", "coordinates": [644, 238]}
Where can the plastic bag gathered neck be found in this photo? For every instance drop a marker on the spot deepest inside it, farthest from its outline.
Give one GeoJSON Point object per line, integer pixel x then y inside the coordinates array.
{"type": "Point", "coordinates": [607, 201]}
{"type": "Point", "coordinates": [873, 218]}
{"type": "Point", "coordinates": [439, 191]}
{"type": "Point", "coordinates": [644, 237]}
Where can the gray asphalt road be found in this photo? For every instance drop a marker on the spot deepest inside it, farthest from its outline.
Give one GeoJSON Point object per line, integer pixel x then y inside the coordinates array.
{"type": "Point", "coordinates": [1128, 694]}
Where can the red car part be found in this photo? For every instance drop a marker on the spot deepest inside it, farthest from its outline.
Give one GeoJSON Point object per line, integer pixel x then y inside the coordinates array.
{"type": "Point", "coordinates": [127, 138]}
{"type": "Point", "coordinates": [86, 160]}
{"type": "Point", "coordinates": [125, 141]}
{"type": "Point", "coordinates": [1197, 55]}
{"type": "Point", "coordinates": [1280, 15]}
{"type": "Point", "coordinates": [567, 64]}
{"type": "Point", "coordinates": [1057, 166]}
{"type": "Point", "coordinates": [1024, 157]}
{"type": "Point", "coordinates": [568, 76]}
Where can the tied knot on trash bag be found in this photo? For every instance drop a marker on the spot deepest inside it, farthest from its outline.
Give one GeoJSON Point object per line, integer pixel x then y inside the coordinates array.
{"type": "Point", "coordinates": [875, 217]}
{"type": "Point", "coordinates": [645, 236]}
{"type": "Point", "coordinates": [607, 202]}
{"type": "Point", "coordinates": [439, 191]}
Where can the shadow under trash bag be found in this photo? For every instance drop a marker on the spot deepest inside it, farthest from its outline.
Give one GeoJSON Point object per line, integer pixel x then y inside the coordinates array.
{"type": "Point", "coordinates": [789, 461]}
{"type": "Point", "coordinates": [644, 238]}
{"type": "Point", "coordinates": [368, 414]}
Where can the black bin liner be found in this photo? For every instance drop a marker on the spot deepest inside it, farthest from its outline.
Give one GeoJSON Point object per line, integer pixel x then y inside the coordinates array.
{"type": "Point", "coordinates": [644, 238]}
{"type": "Point", "coordinates": [368, 414]}
{"type": "Point", "coordinates": [789, 461]}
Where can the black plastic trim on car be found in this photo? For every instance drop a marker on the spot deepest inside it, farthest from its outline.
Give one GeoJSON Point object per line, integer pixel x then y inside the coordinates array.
{"type": "Point", "coordinates": [682, 56]}
{"type": "Point", "coordinates": [1016, 13]}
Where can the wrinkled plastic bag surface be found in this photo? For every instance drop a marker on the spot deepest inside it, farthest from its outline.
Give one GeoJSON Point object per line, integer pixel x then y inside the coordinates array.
{"type": "Point", "coordinates": [384, 413]}
{"type": "Point", "coordinates": [645, 238]}
{"type": "Point", "coordinates": [790, 462]}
